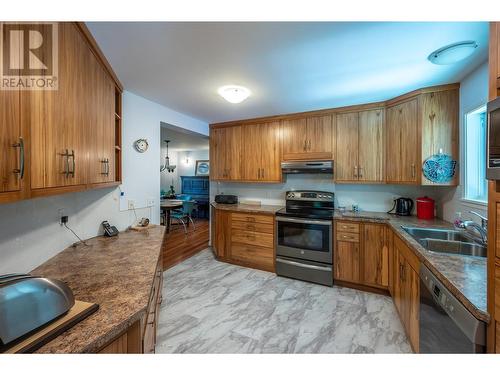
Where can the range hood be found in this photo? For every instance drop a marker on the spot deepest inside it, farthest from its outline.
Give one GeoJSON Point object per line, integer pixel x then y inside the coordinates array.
{"type": "Point", "coordinates": [296, 167]}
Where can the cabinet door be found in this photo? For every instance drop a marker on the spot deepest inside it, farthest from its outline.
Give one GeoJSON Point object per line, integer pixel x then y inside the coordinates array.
{"type": "Point", "coordinates": [252, 154]}
{"type": "Point", "coordinates": [217, 154]}
{"type": "Point", "coordinates": [233, 149]}
{"type": "Point", "coordinates": [393, 160]}
{"type": "Point", "coordinates": [399, 263]}
{"type": "Point", "coordinates": [408, 119]}
{"type": "Point", "coordinates": [347, 261]}
{"type": "Point", "coordinates": [269, 139]}
{"type": "Point", "coordinates": [439, 121]}
{"type": "Point", "coordinates": [57, 119]}
{"type": "Point", "coordinates": [320, 137]}
{"type": "Point", "coordinates": [371, 146]}
{"type": "Point", "coordinates": [102, 127]}
{"type": "Point", "coordinates": [375, 256]}
{"type": "Point", "coordinates": [412, 298]}
{"type": "Point", "coordinates": [294, 139]}
{"type": "Point", "coordinates": [346, 157]}
{"type": "Point", "coordinates": [390, 248]}
{"type": "Point", "coordinates": [10, 134]}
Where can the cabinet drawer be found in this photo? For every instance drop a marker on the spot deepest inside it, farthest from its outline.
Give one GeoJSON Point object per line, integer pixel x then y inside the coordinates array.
{"type": "Point", "coordinates": [259, 256]}
{"type": "Point", "coordinates": [252, 238]}
{"type": "Point", "coordinates": [346, 236]}
{"type": "Point", "coordinates": [253, 226]}
{"type": "Point", "coordinates": [345, 226]}
{"type": "Point", "coordinates": [251, 218]}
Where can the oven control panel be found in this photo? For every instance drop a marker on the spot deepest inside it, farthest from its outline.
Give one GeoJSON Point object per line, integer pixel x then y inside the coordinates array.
{"type": "Point", "coordinates": [309, 195]}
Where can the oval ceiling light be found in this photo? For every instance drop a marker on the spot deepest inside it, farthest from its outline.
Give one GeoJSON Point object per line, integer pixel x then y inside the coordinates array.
{"type": "Point", "coordinates": [234, 94]}
{"type": "Point", "coordinates": [453, 53]}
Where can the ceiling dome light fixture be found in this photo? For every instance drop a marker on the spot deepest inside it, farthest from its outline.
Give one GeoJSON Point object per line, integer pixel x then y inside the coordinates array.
{"type": "Point", "coordinates": [453, 53]}
{"type": "Point", "coordinates": [234, 94]}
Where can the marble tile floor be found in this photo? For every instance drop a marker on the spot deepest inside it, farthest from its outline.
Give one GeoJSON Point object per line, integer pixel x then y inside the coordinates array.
{"type": "Point", "coordinates": [214, 307]}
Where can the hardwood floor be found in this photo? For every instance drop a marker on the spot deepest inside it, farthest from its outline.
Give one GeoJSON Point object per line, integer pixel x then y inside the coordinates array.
{"type": "Point", "coordinates": [180, 246]}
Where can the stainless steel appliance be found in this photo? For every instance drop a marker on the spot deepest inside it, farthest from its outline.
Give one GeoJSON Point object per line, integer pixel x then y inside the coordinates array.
{"type": "Point", "coordinates": [446, 326]}
{"type": "Point", "coordinates": [304, 245]}
{"type": "Point", "coordinates": [493, 140]}
{"type": "Point", "coordinates": [295, 167]}
{"type": "Point", "coordinates": [402, 207]}
{"type": "Point", "coordinates": [29, 302]}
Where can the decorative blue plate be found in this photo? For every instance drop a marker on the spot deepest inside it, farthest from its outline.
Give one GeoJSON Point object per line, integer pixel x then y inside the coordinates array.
{"type": "Point", "coordinates": [439, 168]}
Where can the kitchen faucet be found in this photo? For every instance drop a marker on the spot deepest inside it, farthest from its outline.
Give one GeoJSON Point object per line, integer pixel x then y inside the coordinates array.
{"type": "Point", "coordinates": [481, 229]}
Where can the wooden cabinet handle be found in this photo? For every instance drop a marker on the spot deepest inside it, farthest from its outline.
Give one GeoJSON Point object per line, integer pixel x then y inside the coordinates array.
{"type": "Point", "coordinates": [250, 218]}
{"type": "Point", "coordinates": [309, 145]}
{"type": "Point", "coordinates": [258, 174]}
{"type": "Point", "coordinates": [360, 173]}
{"type": "Point", "coordinates": [20, 171]}
{"type": "Point", "coordinates": [356, 171]}
{"type": "Point", "coordinates": [413, 171]}
{"type": "Point", "coordinates": [262, 172]}
{"type": "Point", "coordinates": [305, 145]}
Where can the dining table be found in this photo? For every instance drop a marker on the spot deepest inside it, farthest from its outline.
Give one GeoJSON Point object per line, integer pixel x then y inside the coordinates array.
{"type": "Point", "coordinates": [168, 205]}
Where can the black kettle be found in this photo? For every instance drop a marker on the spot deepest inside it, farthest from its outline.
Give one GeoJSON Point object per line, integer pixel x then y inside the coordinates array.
{"type": "Point", "coordinates": [403, 207]}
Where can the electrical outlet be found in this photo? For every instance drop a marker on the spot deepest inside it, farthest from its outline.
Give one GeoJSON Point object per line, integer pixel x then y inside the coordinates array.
{"type": "Point", "coordinates": [64, 220]}
{"type": "Point", "coordinates": [131, 204]}
{"type": "Point", "coordinates": [150, 202]}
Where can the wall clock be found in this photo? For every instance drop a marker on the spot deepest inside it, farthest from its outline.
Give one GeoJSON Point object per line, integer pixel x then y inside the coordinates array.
{"type": "Point", "coordinates": [141, 145]}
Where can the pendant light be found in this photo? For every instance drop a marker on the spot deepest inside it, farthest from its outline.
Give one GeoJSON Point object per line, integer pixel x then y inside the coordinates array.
{"type": "Point", "coordinates": [169, 168]}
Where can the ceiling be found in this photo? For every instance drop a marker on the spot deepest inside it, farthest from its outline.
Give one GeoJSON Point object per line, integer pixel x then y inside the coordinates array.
{"type": "Point", "coordinates": [289, 66]}
{"type": "Point", "coordinates": [183, 140]}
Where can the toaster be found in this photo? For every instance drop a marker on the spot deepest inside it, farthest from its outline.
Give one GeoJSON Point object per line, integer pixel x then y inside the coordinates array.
{"type": "Point", "coordinates": [226, 199]}
{"type": "Point", "coordinates": [29, 302]}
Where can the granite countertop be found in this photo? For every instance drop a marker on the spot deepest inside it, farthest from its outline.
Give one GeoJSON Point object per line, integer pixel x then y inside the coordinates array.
{"type": "Point", "coordinates": [464, 276]}
{"type": "Point", "coordinates": [263, 209]}
{"type": "Point", "coordinates": [117, 273]}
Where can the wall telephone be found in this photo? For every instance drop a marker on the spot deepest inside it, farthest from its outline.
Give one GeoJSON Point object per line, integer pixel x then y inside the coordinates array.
{"type": "Point", "coordinates": [109, 230]}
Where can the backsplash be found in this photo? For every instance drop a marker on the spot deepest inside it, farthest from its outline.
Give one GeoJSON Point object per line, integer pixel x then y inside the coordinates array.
{"type": "Point", "coordinates": [368, 197]}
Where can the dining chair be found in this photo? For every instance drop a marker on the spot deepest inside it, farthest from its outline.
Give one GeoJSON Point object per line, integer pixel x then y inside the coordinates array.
{"type": "Point", "coordinates": [184, 215]}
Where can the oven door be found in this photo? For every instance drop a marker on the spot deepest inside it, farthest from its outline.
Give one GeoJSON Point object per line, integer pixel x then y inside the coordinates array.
{"type": "Point", "coordinates": [309, 239]}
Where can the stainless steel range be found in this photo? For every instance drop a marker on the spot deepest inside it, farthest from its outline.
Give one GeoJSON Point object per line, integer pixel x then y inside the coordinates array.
{"type": "Point", "coordinates": [304, 246]}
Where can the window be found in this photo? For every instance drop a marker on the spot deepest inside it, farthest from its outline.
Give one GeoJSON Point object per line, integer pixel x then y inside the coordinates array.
{"type": "Point", "coordinates": [475, 155]}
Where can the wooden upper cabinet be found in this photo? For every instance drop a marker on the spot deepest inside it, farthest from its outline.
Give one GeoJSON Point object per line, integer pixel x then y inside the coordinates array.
{"type": "Point", "coordinates": [251, 167]}
{"type": "Point", "coordinates": [226, 149]}
{"type": "Point", "coordinates": [59, 147]}
{"type": "Point", "coordinates": [402, 141]}
{"type": "Point", "coordinates": [371, 146]}
{"type": "Point", "coordinates": [375, 255]}
{"type": "Point", "coordinates": [310, 138]}
{"type": "Point", "coordinates": [346, 150]}
{"type": "Point", "coordinates": [102, 114]}
{"type": "Point", "coordinates": [359, 152]}
{"type": "Point", "coordinates": [270, 146]}
{"type": "Point", "coordinates": [11, 143]}
{"type": "Point", "coordinates": [294, 134]}
{"type": "Point", "coordinates": [439, 114]}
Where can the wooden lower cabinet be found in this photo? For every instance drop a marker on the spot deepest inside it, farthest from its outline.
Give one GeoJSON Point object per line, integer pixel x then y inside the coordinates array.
{"type": "Point", "coordinates": [246, 239]}
{"type": "Point", "coordinates": [361, 254]}
{"type": "Point", "coordinates": [140, 337]}
{"type": "Point", "coordinates": [407, 290]}
{"type": "Point", "coordinates": [346, 261]}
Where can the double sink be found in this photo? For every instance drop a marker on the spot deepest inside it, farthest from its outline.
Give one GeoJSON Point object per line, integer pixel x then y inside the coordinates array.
{"type": "Point", "coordinates": [447, 241]}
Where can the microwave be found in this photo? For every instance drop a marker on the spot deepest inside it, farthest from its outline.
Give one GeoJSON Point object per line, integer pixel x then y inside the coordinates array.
{"type": "Point", "coordinates": [493, 140]}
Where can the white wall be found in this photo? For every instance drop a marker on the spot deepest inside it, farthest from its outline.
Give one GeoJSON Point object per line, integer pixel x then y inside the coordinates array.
{"type": "Point", "coordinates": [473, 94]}
{"type": "Point", "coordinates": [29, 230]}
{"type": "Point", "coordinates": [188, 169]}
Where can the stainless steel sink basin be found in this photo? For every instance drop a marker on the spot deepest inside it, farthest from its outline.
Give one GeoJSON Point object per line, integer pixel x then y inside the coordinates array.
{"type": "Point", "coordinates": [438, 234]}
{"type": "Point", "coordinates": [454, 247]}
{"type": "Point", "coordinates": [446, 241]}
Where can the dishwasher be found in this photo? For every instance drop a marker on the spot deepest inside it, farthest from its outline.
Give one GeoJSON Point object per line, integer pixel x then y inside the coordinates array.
{"type": "Point", "coordinates": [446, 326]}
